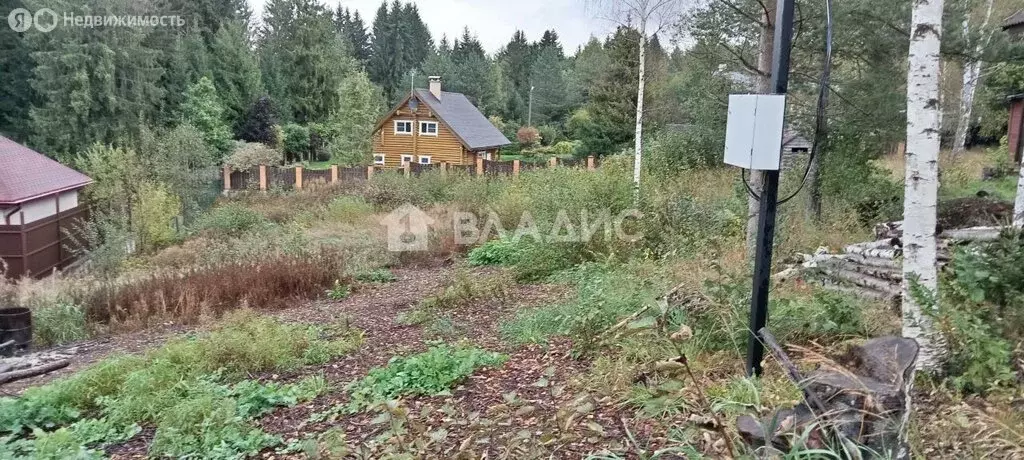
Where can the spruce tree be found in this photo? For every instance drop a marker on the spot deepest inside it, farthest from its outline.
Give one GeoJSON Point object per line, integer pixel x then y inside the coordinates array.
{"type": "Point", "coordinates": [15, 73]}
{"type": "Point", "coordinates": [93, 84]}
{"type": "Point", "coordinates": [235, 71]}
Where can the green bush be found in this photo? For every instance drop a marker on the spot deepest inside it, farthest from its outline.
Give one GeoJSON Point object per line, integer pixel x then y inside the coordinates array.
{"type": "Point", "coordinates": [427, 373]}
{"type": "Point", "coordinates": [58, 323]}
{"type": "Point", "coordinates": [981, 312]}
{"type": "Point", "coordinates": [248, 154]}
{"type": "Point", "coordinates": [503, 251]}
{"type": "Point", "coordinates": [296, 142]}
{"type": "Point", "coordinates": [229, 221]}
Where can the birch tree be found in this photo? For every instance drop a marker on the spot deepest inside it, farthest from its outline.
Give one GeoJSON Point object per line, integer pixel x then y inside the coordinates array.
{"type": "Point", "coordinates": [645, 16]}
{"type": "Point", "coordinates": [922, 171]}
{"type": "Point", "coordinates": [971, 75]}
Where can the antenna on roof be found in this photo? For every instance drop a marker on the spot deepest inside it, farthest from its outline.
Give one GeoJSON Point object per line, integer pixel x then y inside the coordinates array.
{"type": "Point", "coordinates": [412, 81]}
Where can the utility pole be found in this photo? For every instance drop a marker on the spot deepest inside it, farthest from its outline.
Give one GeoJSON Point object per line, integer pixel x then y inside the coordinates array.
{"type": "Point", "coordinates": [529, 113]}
{"type": "Point", "coordinates": [769, 197]}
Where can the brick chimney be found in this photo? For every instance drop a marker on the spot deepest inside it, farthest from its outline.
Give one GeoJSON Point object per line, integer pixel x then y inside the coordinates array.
{"type": "Point", "coordinates": [435, 86]}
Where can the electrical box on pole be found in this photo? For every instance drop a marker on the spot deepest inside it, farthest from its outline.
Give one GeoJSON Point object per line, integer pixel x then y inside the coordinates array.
{"type": "Point", "coordinates": [754, 141]}
{"type": "Point", "coordinates": [753, 132]}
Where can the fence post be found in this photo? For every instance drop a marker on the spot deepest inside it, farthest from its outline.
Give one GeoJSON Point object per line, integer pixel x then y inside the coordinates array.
{"type": "Point", "coordinates": [406, 168]}
{"type": "Point", "coordinates": [515, 168]}
{"type": "Point", "coordinates": [227, 179]}
{"type": "Point", "coordinates": [298, 178]}
{"type": "Point", "coordinates": [369, 172]}
{"type": "Point", "coordinates": [553, 162]}
{"type": "Point", "coordinates": [444, 168]}
{"type": "Point", "coordinates": [263, 178]}
{"type": "Point", "coordinates": [479, 166]}
{"type": "Point", "coordinates": [590, 163]}
{"type": "Point", "coordinates": [334, 173]}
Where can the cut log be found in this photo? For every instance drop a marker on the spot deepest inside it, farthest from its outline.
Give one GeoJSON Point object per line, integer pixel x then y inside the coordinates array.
{"type": "Point", "coordinates": [865, 249]}
{"type": "Point", "coordinates": [12, 376]}
{"type": "Point", "coordinates": [862, 280]}
{"type": "Point", "coordinates": [973, 234]}
{"type": "Point", "coordinates": [884, 273]}
{"type": "Point", "coordinates": [889, 230]}
{"type": "Point", "coordinates": [858, 291]}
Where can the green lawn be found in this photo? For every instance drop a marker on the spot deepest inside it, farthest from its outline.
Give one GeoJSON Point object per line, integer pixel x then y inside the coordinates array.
{"type": "Point", "coordinates": [1004, 188]}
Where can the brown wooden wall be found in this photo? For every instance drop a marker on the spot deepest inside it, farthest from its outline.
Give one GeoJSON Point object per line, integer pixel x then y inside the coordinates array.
{"type": "Point", "coordinates": [444, 147]}
{"type": "Point", "coordinates": [36, 248]}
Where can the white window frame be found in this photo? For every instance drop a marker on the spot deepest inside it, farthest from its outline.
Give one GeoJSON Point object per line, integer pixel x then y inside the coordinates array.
{"type": "Point", "coordinates": [378, 159]}
{"type": "Point", "coordinates": [407, 158]}
{"type": "Point", "coordinates": [404, 133]}
{"type": "Point", "coordinates": [424, 157]}
{"type": "Point", "coordinates": [428, 123]}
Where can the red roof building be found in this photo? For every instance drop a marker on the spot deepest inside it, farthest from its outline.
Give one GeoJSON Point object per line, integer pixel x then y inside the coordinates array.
{"type": "Point", "coordinates": [38, 203]}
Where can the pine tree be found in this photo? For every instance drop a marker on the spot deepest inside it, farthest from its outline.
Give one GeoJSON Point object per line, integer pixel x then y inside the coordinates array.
{"type": "Point", "coordinates": [235, 71]}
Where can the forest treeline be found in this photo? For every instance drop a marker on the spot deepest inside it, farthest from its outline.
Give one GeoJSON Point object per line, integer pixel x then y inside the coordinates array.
{"type": "Point", "coordinates": [311, 80]}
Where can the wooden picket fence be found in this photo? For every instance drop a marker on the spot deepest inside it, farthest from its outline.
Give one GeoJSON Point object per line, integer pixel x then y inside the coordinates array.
{"type": "Point", "coordinates": [264, 177]}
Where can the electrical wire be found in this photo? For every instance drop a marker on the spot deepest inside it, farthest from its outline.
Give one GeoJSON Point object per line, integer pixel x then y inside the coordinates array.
{"type": "Point", "coordinates": [820, 114]}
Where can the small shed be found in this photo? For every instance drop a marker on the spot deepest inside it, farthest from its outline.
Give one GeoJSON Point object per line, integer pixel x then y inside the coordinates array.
{"type": "Point", "coordinates": [1015, 127]}
{"type": "Point", "coordinates": [38, 202]}
{"type": "Point", "coordinates": [1014, 25]}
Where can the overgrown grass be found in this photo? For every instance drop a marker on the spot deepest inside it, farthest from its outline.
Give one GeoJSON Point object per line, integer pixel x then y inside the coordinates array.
{"type": "Point", "coordinates": [194, 390]}
{"type": "Point", "coordinates": [270, 283]}
{"type": "Point", "coordinates": [466, 288]}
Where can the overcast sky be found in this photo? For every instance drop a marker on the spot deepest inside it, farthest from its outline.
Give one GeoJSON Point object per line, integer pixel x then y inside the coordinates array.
{"type": "Point", "coordinates": [494, 21]}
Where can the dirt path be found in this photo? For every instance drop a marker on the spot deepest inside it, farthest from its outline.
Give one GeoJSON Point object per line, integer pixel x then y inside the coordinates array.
{"type": "Point", "coordinates": [533, 406]}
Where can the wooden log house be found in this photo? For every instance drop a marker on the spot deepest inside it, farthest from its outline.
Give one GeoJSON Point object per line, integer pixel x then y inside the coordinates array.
{"type": "Point", "coordinates": [433, 126]}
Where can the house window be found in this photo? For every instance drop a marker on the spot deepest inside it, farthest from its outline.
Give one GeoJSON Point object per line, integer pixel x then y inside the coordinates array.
{"type": "Point", "coordinates": [428, 128]}
{"type": "Point", "coordinates": [485, 155]}
{"type": "Point", "coordinates": [378, 159]}
{"type": "Point", "coordinates": [424, 159]}
{"type": "Point", "coordinates": [403, 127]}
{"type": "Point", "coordinates": [407, 159]}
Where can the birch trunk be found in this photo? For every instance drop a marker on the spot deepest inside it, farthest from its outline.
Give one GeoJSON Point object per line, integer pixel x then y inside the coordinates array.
{"type": "Point", "coordinates": [638, 141]}
{"type": "Point", "coordinates": [1018, 204]}
{"type": "Point", "coordinates": [764, 86]}
{"type": "Point", "coordinates": [922, 182]}
{"type": "Point", "coordinates": [922, 185]}
{"type": "Point", "coordinates": [972, 72]}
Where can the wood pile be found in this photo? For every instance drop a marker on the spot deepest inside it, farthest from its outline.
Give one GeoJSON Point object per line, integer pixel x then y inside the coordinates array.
{"type": "Point", "coordinates": [874, 269]}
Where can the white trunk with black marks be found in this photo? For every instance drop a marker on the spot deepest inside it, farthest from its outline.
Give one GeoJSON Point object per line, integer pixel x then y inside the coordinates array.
{"type": "Point", "coordinates": [1018, 204]}
{"type": "Point", "coordinates": [972, 72]}
{"type": "Point", "coordinates": [764, 86]}
{"type": "Point", "coordinates": [638, 141]}
{"type": "Point", "coordinates": [922, 183]}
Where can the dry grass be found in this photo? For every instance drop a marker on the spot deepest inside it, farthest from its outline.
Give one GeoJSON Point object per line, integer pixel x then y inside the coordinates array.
{"type": "Point", "coordinates": [966, 167]}
{"type": "Point", "coordinates": [185, 297]}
